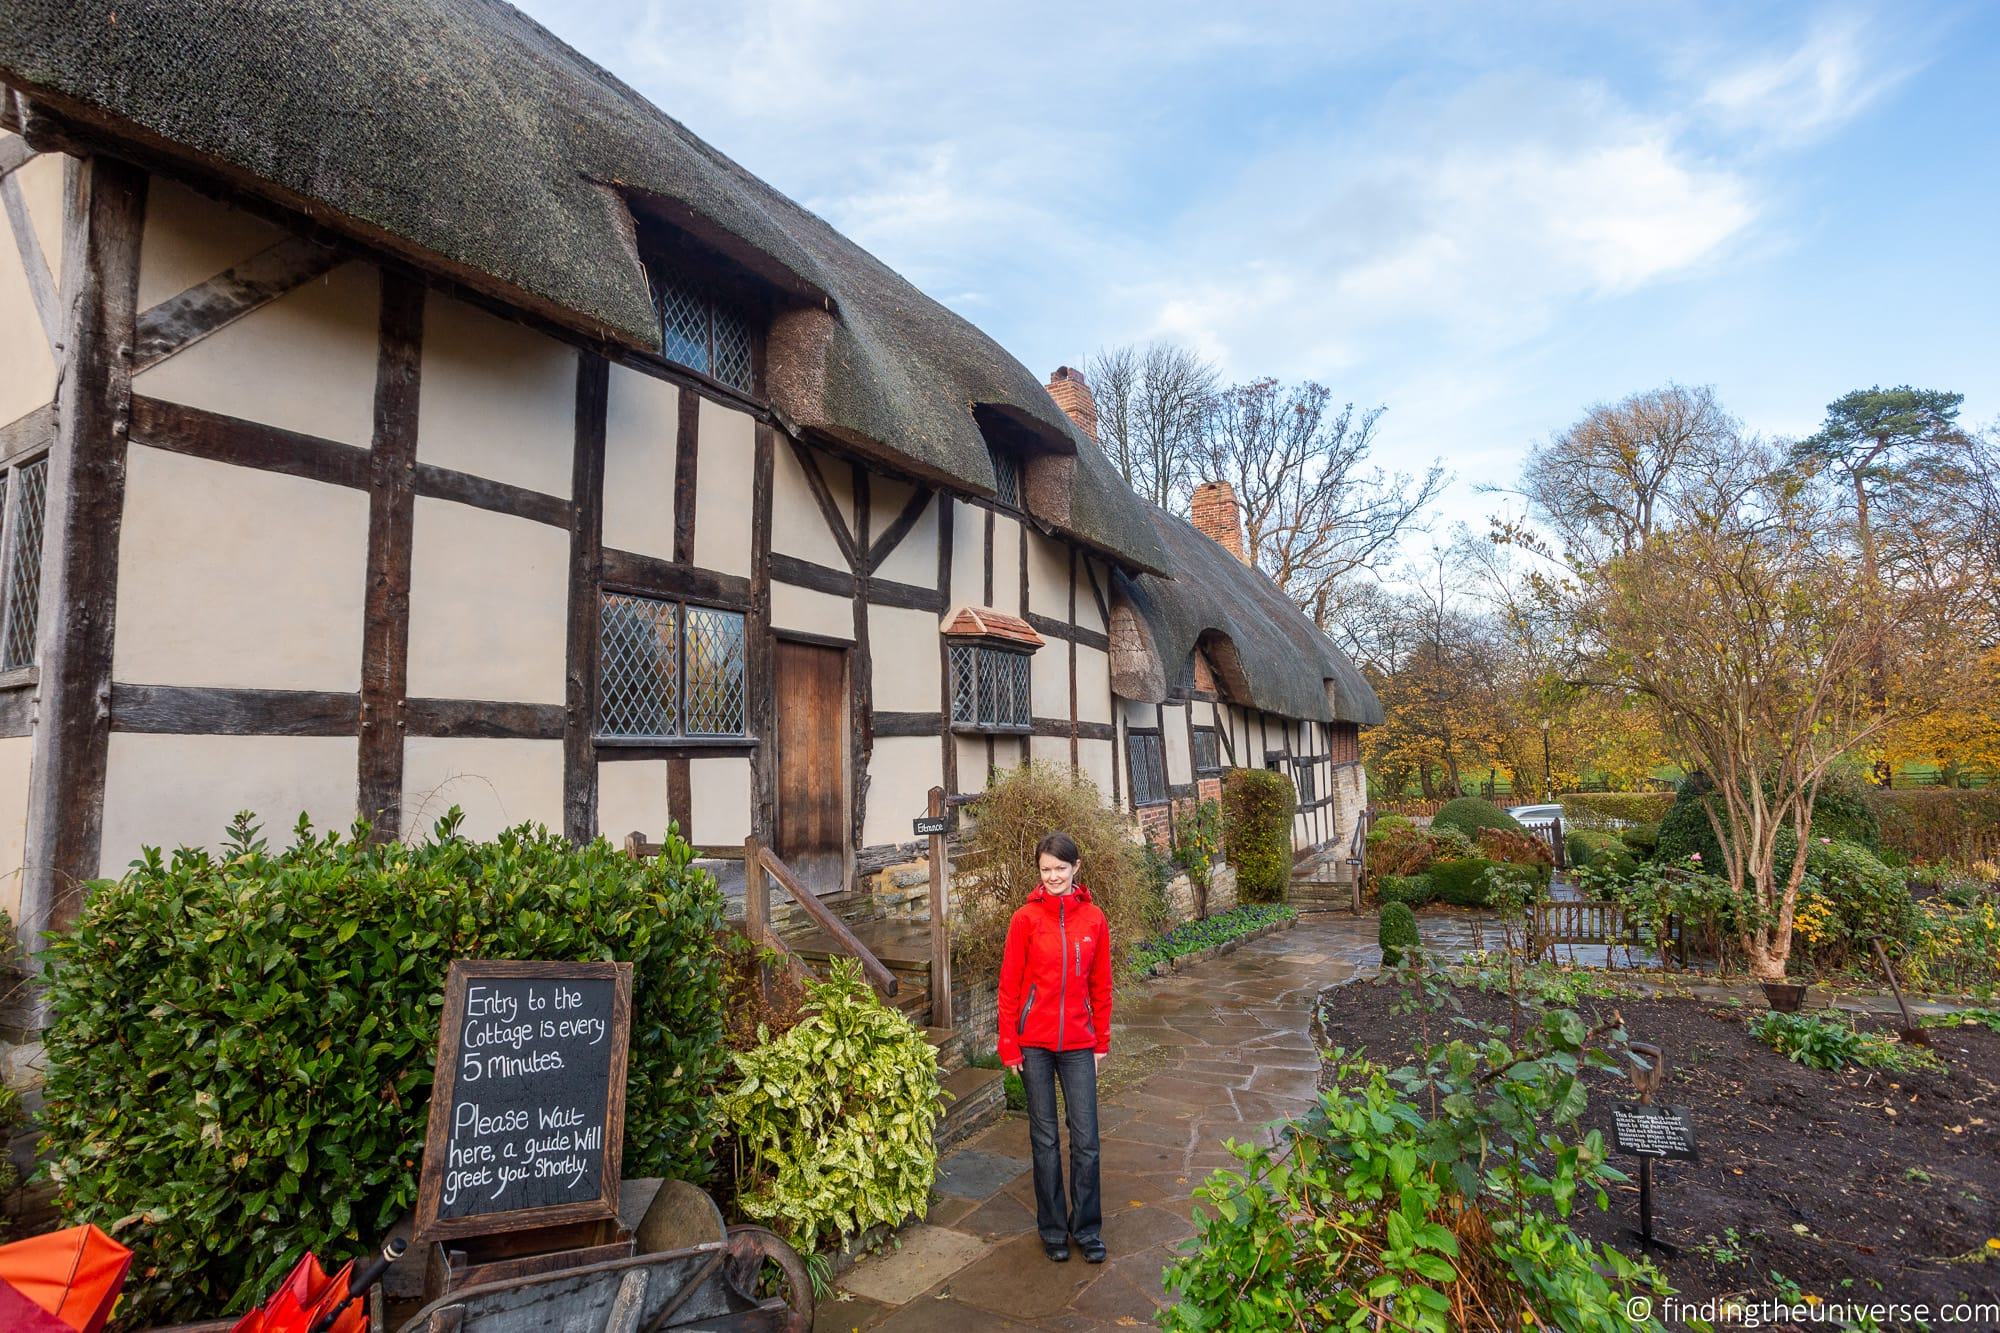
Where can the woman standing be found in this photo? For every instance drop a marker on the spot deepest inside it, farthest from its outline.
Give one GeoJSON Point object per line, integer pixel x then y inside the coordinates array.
{"type": "Point", "coordinates": [1055, 1023]}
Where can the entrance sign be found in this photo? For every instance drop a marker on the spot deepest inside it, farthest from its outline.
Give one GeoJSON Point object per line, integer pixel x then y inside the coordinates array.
{"type": "Point", "coordinates": [1653, 1131]}
{"type": "Point", "coordinates": [528, 1101]}
{"type": "Point", "coordinates": [928, 826]}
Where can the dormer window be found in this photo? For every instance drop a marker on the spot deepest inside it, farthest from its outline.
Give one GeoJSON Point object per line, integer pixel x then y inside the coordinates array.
{"type": "Point", "coordinates": [989, 653]}
{"type": "Point", "coordinates": [702, 332]}
{"type": "Point", "coordinates": [1006, 477]}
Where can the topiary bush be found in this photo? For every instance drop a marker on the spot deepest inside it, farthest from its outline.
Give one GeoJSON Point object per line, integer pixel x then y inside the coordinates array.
{"type": "Point", "coordinates": [834, 1118]}
{"type": "Point", "coordinates": [1257, 809]}
{"type": "Point", "coordinates": [1397, 933]}
{"type": "Point", "coordinates": [1642, 840]}
{"type": "Point", "coordinates": [1463, 882]}
{"type": "Point", "coordinates": [1469, 814]}
{"type": "Point", "coordinates": [998, 871]}
{"type": "Point", "coordinates": [1597, 850]}
{"type": "Point", "coordinates": [1685, 833]}
{"type": "Point", "coordinates": [1411, 890]}
{"type": "Point", "coordinates": [241, 1044]}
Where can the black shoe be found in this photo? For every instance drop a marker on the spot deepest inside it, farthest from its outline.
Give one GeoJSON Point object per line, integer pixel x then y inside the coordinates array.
{"type": "Point", "coordinates": [1057, 1253]}
{"type": "Point", "coordinates": [1093, 1251]}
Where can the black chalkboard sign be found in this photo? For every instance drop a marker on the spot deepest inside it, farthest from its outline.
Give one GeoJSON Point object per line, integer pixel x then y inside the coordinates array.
{"type": "Point", "coordinates": [1653, 1131]}
{"type": "Point", "coordinates": [528, 1102]}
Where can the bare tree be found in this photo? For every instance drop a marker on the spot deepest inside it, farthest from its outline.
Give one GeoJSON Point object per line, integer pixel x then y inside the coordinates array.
{"type": "Point", "coordinates": [1315, 514]}
{"type": "Point", "coordinates": [1152, 411]}
{"type": "Point", "coordinates": [1607, 482]}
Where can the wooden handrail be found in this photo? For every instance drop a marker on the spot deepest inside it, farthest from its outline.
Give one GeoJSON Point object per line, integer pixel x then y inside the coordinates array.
{"type": "Point", "coordinates": [757, 912]}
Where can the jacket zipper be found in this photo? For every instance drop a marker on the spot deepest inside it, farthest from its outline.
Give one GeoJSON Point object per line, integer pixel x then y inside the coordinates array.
{"type": "Point", "coordinates": [1022, 1026]}
{"type": "Point", "coordinates": [1062, 988]}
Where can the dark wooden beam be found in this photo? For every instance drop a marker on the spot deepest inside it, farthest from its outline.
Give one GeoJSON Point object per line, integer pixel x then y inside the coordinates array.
{"type": "Point", "coordinates": [986, 594]}
{"type": "Point", "coordinates": [17, 711]}
{"type": "Point", "coordinates": [204, 434]}
{"type": "Point", "coordinates": [687, 462]}
{"type": "Point", "coordinates": [649, 576]}
{"type": "Point", "coordinates": [34, 264]}
{"type": "Point", "coordinates": [1074, 752]}
{"type": "Point", "coordinates": [1097, 594]}
{"type": "Point", "coordinates": [829, 508]}
{"type": "Point", "coordinates": [198, 710]}
{"type": "Point", "coordinates": [14, 153]}
{"type": "Point", "coordinates": [805, 574]}
{"type": "Point", "coordinates": [26, 434]}
{"type": "Point", "coordinates": [881, 592]}
{"type": "Point", "coordinates": [486, 719]}
{"type": "Point", "coordinates": [499, 497]}
{"type": "Point", "coordinates": [860, 662]}
{"type": "Point", "coordinates": [907, 724]}
{"type": "Point", "coordinates": [385, 631]}
{"type": "Point", "coordinates": [948, 759]}
{"type": "Point", "coordinates": [1051, 628]}
{"type": "Point", "coordinates": [103, 218]}
{"type": "Point", "coordinates": [899, 528]}
{"type": "Point", "coordinates": [1059, 728]}
{"type": "Point", "coordinates": [593, 376]}
{"type": "Point", "coordinates": [184, 320]}
{"type": "Point", "coordinates": [760, 669]}
{"type": "Point", "coordinates": [680, 795]}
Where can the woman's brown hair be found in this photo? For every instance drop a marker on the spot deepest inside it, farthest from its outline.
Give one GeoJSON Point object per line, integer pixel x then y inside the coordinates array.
{"type": "Point", "coordinates": [1059, 845]}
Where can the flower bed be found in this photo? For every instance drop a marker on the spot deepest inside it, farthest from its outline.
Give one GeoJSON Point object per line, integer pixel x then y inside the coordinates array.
{"type": "Point", "coordinates": [1195, 940]}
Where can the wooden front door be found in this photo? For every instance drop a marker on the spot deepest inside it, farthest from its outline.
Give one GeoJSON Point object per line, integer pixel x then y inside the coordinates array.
{"type": "Point", "coordinates": [812, 763]}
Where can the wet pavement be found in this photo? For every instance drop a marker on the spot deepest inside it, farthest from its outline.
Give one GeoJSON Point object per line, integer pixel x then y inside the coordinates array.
{"type": "Point", "coordinates": [1199, 1057]}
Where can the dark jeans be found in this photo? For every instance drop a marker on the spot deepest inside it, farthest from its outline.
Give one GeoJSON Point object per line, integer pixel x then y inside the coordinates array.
{"type": "Point", "coordinates": [1040, 1069]}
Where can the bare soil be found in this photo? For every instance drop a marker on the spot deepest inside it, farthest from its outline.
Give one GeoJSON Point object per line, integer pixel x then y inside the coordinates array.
{"type": "Point", "coordinates": [1857, 1185]}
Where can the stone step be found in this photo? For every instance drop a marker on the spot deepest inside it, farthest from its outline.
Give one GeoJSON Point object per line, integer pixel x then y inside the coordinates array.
{"type": "Point", "coordinates": [980, 1099]}
{"type": "Point", "coordinates": [950, 1048]}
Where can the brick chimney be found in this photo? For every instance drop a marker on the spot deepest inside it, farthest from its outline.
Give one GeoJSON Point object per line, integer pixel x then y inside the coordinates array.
{"type": "Point", "coordinates": [1214, 510]}
{"type": "Point", "coordinates": [1072, 394]}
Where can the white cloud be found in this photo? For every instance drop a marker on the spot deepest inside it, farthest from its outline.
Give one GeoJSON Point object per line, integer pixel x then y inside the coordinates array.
{"type": "Point", "coordinates": [1794, 97]}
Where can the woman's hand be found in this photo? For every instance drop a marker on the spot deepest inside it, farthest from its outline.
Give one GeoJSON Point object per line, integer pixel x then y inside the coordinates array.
{"type": "Point", "coordinates": [1099, 1057]}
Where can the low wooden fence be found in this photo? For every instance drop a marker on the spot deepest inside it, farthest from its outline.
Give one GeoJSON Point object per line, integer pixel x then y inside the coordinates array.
{"type": "Point", "coordinates": [1592, 921]}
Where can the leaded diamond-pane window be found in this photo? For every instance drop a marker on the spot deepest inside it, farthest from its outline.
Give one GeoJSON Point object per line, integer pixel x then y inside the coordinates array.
{"type": "Point", "coordinates": [667, 670]}
{"type": "Point", "coordinates": [989, 688]}
{"type": "Point", "coordinates": [1006, 478]}
{"type": "Point", "coordinates": [699, 332]}
{"type": "Point", "coordinates": [1207, 750]}
{"type": "Point", "coordinates": [1146, 759]}
{"type": "Point", "coordinates": [28, 494]}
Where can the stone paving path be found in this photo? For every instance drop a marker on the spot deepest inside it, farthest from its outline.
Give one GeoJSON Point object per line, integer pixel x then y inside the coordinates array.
{"type": "Point", "coordinates": [1199, 1057]}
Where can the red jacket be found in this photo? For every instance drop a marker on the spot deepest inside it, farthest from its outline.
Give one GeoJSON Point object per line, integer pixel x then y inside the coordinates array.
{"type": "Point", "coordinates": [1055, 977]}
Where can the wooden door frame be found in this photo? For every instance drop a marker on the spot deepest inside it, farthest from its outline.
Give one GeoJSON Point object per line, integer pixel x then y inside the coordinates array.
{"type": "Point", "coordinates": [846, 649]}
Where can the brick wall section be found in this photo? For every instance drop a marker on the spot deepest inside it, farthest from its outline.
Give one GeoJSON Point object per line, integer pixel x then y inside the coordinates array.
{"type": "Point", "coordinates": [1215, 512]}
{"type": "Point", "coordinates": [1204, 674]}
{"type": "Point", "coordinates": [1156, 824]}
{"type": "Point", "coordinates": [1072, 394]}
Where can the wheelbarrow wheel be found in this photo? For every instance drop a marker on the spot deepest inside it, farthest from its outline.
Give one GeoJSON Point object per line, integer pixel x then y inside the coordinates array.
{"type": "Point", "coordinates": [749, 1248]}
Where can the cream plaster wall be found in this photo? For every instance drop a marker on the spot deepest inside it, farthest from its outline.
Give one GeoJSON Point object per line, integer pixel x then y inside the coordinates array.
{"type": "Point", "coordinates": [972, 762]}
{"type": "Point", "coordinates": [305, 362]}
{"type": "Point", "coordinates": [235, 576]}
{"type": "Point", "coordinates": [1136, 714]}
{"type": "Point", "coordinates": [170, 791]}
{"type": "Point", "coordinates": [41, 182]}
{"type": "Point", "coordinates": [968, 556]}
{"type": "Point", "coordinates": [1095, 759]}
{"type": "Point", "coordinates": [901, 773]}
{"type": "Point", "coordinates": [189, 238]}
{"type": "Point", "coordinates": [1086, 602]}
{"type": "Point", "coordinates": [1048, 681]}
{"type": "Point", "coordinates": [1180, 761]}
{"type": "Point", "coordinates": [903, 645]}
{"type": "Point", "coordinates": [16, 756]}
{"type": "Point", "coordinates": [915, 559]}
{"type": "Point", "coordinates": [498, 399]}
{"type": "Point", "coordinates": [1048, 576]}
{"type": "Point", "coordinates": [809, 612]}
{"type": "Point", "coordinates": [498, 783]}
{"type": "Point", "coordinates": [489, 601]}
{"type": "Point", "coordinates": [1007, 566]}
{"type": "Point", "coordinates": [719, 801]}
{"type": "Point", "coordinates": [798, 527]}
{"type": "Point", "coordinates": [725, 475]}
{"type": "Point", "coordinates": [1049, 750]}
{"type": "Point", "coordinates": [27, 367]}
{"type": "Point", "coordinates": [641, 436]}
{"type": "Point", "coordinates": [632, 797]}
{"type": "Point", "coordinates": [1093, 685]}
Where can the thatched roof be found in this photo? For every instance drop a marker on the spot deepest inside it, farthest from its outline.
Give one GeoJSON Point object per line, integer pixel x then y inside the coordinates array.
{"type": "Point", "coordinates": [1271, 655]}
{"type": "Point", "coordinates": [467, 138]}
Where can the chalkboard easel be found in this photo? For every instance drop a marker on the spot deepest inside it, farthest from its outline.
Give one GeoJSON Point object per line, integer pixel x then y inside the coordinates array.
{"type": "Point", "coordinates": [527, 1121]}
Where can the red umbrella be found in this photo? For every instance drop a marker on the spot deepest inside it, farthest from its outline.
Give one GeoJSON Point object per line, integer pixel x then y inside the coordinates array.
{"type": "Point", "coordinates": [306, 1294]}
{"type": "Point", "coordinates": [73, 1275]}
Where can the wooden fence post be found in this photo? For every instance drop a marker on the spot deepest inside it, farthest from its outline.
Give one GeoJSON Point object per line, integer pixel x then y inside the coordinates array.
{"type": "Point", "coordinates": [941, 1016]}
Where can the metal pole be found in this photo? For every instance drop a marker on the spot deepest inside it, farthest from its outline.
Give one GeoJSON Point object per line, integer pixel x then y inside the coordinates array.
{"type": "Point", "coordinates": [941, 1016]}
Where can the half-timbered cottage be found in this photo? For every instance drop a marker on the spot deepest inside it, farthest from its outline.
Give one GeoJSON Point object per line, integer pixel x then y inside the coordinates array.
{"type": "Point", "coordinates": [398, 412]}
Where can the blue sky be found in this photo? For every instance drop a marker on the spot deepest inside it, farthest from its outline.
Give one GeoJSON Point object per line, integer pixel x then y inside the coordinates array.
{"type": "Point", "coordinates": [1484, 217]}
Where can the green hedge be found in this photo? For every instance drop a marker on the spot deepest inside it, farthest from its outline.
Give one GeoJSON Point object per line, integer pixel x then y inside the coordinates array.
{"type": "Point", "coordinates": [1642, 840]}
{"type": "Point", "coordinates": [1462, 882]}
{"type": "Point", "coordinates": [1469, 814]}
{"type": "Point", "coordinates": [1939, 824]}
{"type": "Point", "coordinates": [1599, 850]}
{"type": "Point", "coordinates": [1609, 809]}
{"type": "Point", "coordinates": [1397, 934]}
{"type": "Point", "coordinates": [241, 1043]}
{"type": "Point", "coordinates": [1413, 890]}
{"type": "Point", "coordinates": [1257, 809]}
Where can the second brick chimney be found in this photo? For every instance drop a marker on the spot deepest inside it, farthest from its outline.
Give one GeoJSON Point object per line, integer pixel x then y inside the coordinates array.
{"type": "Point", "coordinates": [1214, 510]}
{"type": "Point", "coordinates": [1072, 394]}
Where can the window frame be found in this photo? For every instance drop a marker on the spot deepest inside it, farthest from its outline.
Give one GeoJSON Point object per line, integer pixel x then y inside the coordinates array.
{"type": "Point", "coordinates": [27, 669]}
{"type": "Point", "coordinates": [1158, 748]}
{"type": "Point", "coordinates": [1214, 738]}
{"type": "Point", "coordinates": [1006, 477]}
{"type": "Point", "coordinates": [681, 736]}
{"type": "Point", "coordinates": [1304, 783]}
{"type": "Point", "coordinates": [981, 651]}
